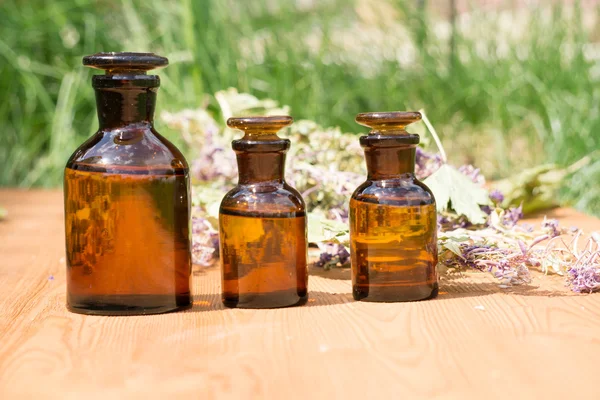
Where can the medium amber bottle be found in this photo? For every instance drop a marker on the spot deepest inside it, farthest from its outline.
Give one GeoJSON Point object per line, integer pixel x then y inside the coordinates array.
{"type": "Point", "coordinates": [262, 223]}
{"type": "Point", "coordinates": [393, 222]}
{"type": "Point", "coordinates": [127, 201]}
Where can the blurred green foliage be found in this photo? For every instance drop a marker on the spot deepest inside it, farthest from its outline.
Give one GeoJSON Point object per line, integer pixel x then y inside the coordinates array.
{"type": "Point", "coordinates": [503, 106]}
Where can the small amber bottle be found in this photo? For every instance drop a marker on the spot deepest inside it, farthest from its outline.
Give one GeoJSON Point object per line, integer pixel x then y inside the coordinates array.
{"type": "Point", "coordinates": [262, 223]}
{"type": "Point", "coordinates": [127, 201]}
{"type": "Point", "coordinates": [393, 222]}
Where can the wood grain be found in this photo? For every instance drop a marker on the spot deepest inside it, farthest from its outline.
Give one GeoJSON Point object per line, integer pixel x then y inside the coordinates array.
{"type": "Point", "coordinates": [475, 341]}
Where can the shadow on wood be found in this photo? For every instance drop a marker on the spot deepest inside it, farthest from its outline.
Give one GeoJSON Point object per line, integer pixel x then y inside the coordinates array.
{"type": "Point", "coordinates": [212, 302]}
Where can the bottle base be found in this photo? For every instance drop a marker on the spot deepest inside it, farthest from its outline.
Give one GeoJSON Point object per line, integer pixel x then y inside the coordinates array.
{"type": "Point", "coordinates": [264, 300]}
{"type": "Point", "coordinates": [394, 293]}
{"type": "Point", "coordinates": [128, 305]}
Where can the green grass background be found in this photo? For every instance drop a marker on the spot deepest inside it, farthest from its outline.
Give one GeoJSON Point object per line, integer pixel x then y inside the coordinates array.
{"type": "Point", "coordinates": [502, 104]}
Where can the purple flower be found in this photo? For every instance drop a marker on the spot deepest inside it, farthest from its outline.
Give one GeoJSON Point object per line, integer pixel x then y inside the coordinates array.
{"type": "Point", "coordinates": [512, 216]}
{"type": "Point", "coordinates": [486, 209]}
{"type": "Point", "coordinates": [496, 196]}
{"type": "Point", "coordinates": [205, 242]}
{"type": "Point", "coordinates": [508, 265]}
{"type": "Point", "coordinates": [333, 255]}
{"type": "Point", "coordinates": [343, 254]}
{"type": "Point", "coordinates": [324, 258]}
{"type": "Point", "coordinates": [473, 173]}
{"type": "Point", "coordinates": [426, 163]}
{"type": "Point", "coordinates": [452, 222]}
{"type": "Point", "coordinates": [551, 226]}
{"type": "Point", "coordinates": [214, 162]}
{"type": "Point", "coordinates": [584, 277]}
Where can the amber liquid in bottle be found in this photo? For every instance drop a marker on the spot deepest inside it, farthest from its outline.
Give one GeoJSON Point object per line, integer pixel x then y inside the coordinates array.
{"type": "Point", "coordinates": [393, 222]}
{"type": "Point", "coordinates": [127, 202]}
{"type": "Point", "coordinates": [262, 223]}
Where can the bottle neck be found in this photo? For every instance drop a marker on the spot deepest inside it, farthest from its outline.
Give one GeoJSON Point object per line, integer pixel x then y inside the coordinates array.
{"type": "Point", "coordinates": [118, 107]}
{"type": "Point", "coordinates": [390, 162]}
{"type": "Point", "coordinates": [257, 167]}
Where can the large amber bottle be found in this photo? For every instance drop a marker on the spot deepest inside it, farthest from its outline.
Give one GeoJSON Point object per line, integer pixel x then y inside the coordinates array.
{"type": "Point", "coordinates": [262, 223]}
{"type": "Point", "coordinates": [393, 221]}
{"type": "Point", "coordinates": [127, 201]}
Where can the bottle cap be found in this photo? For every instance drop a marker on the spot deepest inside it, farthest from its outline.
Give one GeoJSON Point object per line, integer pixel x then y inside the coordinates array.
{"type": "Point", "coordinates": [260, 126]}
{"type": "Point", "coordinates": [388, 123]}
{"type": "Point", "coordinates": [125, 63]}
{"type": "Point", "coordinates": [388, 128]}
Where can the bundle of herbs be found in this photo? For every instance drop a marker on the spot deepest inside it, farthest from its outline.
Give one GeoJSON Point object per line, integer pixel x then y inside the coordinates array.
{"type": "Point", "coordinates": [478, 225]}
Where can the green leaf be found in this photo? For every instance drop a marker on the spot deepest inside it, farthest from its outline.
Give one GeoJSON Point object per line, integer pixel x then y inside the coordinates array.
{"type": "Point", "coordinates": [453, 247]}
{"type": "Point", "coordinates": [453, 189]}
{"type": "Point", "coordinates": [538, 188]}
{"type": "Point", "coordinates": [321, 229]}
{"type": "Point", "coordinates": [208, 197]}
{"type": "Point", "coordinates": [457, 235]}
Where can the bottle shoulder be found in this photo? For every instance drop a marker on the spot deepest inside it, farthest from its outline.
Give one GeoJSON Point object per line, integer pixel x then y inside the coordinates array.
{"type": "Point", "coordinates": [263, 198]}
{"type": "Point", "coordinates": [134, 146]}
{"type": "Point", "coordinates": [396, 192]}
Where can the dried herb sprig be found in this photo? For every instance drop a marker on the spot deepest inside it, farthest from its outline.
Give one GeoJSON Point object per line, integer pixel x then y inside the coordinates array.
{"type": "Point", "coordinates": [326, 165]}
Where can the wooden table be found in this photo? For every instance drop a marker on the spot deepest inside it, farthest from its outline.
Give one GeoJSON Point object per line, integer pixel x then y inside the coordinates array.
{"type": "Point", "coordinates": [475, 341]}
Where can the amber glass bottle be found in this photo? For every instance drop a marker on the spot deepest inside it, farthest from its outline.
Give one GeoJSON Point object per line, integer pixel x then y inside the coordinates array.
{"type": "Point", "coordinates": [262, 223]}
{"type": "Point", "coordinates": [393, 225]}
{"type": "Point", "coordinates": [127, 209]}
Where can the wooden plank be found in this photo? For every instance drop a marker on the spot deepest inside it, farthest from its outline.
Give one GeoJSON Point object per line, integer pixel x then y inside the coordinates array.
{"type": "Point", "coordinates": [475, 341]}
